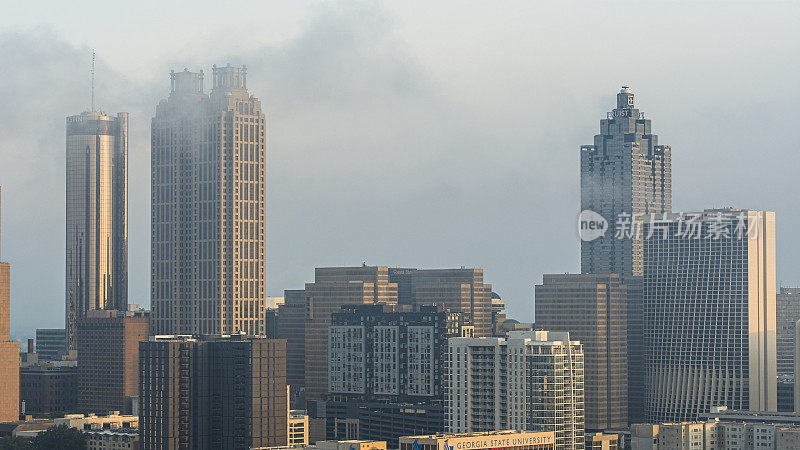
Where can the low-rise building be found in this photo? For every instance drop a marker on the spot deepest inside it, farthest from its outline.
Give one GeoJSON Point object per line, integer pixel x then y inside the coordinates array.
{"type": "Point", "coordinates": [298, 428]}
{"type": "Point", "coordinates": [122, 439]}
{"type": "Point", "coordinates": [602, 441]}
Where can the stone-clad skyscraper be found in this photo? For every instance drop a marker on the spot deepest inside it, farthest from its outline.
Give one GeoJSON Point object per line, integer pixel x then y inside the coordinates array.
{"type": "Point", "coordinates": [96, 215]}
{"type": "Point", "coordinates": [625, 171]}
{"type": "Point", "coordinates": [208, 271]}
{"type": "Point", "coordinates": [9, 352]}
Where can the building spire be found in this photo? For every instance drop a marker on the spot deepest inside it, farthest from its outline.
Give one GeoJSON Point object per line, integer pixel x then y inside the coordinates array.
{"type": "Point", "coordinates": [92, 71]}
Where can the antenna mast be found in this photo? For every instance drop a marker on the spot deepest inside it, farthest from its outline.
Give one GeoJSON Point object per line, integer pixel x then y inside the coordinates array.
{"type": "Point", "coordinates": [92, 80]}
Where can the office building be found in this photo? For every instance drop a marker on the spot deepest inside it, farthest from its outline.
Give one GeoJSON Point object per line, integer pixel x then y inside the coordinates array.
{"type": "Point", "coordinates": [47, 390]}
{"type": "Point", "coordinates": [386, 370]}
{"type": "Point", "coordinates": [597, 317]}
{"type": "Point", "coordinates": [9, 350]}
{"type": "Point", "coordinates": [785, 393]}
{"type": "Point", "coordinates": [532, 381]}
{"type": "Point", "coordinates": [208, 168]}
{"type": "Point", "coordinates": [306, 316]}
{"type": "Point", "coordinates": [787, 313]}
{"type": "Point", "coordinates": [625, 173]}
{"type": "Point", "coordinates": [709, 310]}
{"type": "Point", "coordinates": [458, 290]}
{"type": "Point", "coordinates": [505, 439]}
{"type": "Point", "coordinates": [96, 215]}
{"type": "Point", "coordinates": [108, 359]}
{"type": "Point", "coordinates": [212, 392]}
{"type": "Point", "coordinates": [51, 343]}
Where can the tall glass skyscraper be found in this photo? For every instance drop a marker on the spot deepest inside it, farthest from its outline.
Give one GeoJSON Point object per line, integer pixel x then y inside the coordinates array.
{"type": "Point", "coordinates": [97, 215]}
{"type": "Point", "coordinates": [208, 248]}
{"type": "Point", "coordinates": [625, 171]}
{"type": "Point", "coordinates": [709, 312]}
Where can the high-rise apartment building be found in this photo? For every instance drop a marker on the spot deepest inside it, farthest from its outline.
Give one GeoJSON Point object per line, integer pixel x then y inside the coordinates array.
{"type": "Point", "coordinates": [9, 351]}
{"type": "Point", "coordinates": [212, 392]}
{"type": "Point", "coordinates": [208, 249]}
{"type": "Point", "coordinates": [597, 308]}
{"type": "Point", "coordinates": [625, 172]}
{"type": "Point", "coordinates": [386, 370]}
{"type": "Point", "coordinates": [532, 381]}
{"type": "Point", "coordinates": [96, 215]}
{"type": "Point", "coordinates": [709, 311]}
{"type": "Point", "coordinates": [306, 315]}
{"type": "Point", "coordinates": [51, 343]}
{"type": "Point", "coordinates": [108, 359]}
{"type": "Point", "coordinates": [787, 313]}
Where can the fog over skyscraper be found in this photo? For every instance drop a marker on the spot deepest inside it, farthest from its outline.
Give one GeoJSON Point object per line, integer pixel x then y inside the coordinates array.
{"type": "Point", "coordinates": [96, 215]}
{"type": "Point", "coordinates": [208, 249]}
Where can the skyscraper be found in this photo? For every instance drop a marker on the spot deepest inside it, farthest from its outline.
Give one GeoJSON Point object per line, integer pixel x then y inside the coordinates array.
{"type": "Point", "coordinates": [533, 381]}
{"type": "Point", "coordinates": [624, 175]}
{"type": "Point", "coordinates": [625, 171]}
{"type": "Point", "coordinates": [212, 393]}
{"type": "Point", "coordinates": [208, 250]}
{"type": "Point", "coordinates": [787, 313]}
{"type": "Point", "coordinates": [709, 313]}
{"type": "Point", "coordinates": [9, 352]}
{"type": "Point", "coordinates": [96, 215]}
{"type": "Point", "coordinates": [598, 309]}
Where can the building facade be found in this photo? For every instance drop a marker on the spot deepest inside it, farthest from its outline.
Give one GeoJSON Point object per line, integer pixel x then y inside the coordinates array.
{"type": "Point", "coordinates": [96, 215]}
{"type": "Point", "coordinates": [505, 439]}
{"type": "Point", "coordinates": [212, 392]}
{"type": "Point", "coordinates": [9, 351]}
{"type": "Point", "coordinates": [108, 359]}
{"type": "Point", "coordinates": [709, 310]}
{"type": "Point", "coordinates": [532, 381]}
{"type": "Point", "coordinates": [788, 312]}
{"type": "Point", "coordinates": [48, 390]}
{"type": "Point", "coordinates": [386, 370]}
{"type": "Point", "coordinates": [306, 316]}
{"type": "Point", "coordinates": [51, 343]}
{"type": "Point", "coordinates": [208, 193]}
{"type": "Point", "coordinates": [598, 310]}
{"type": "Point", "coordinates": [458, 290]}
{"type": "Point", "coordinates": [625, 172]}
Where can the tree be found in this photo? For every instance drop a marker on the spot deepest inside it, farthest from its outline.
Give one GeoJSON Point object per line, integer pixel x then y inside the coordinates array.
{"type": "Point", "coordinates": [15, 443]}
{"type": "Point", "coordinates": [60, 437]}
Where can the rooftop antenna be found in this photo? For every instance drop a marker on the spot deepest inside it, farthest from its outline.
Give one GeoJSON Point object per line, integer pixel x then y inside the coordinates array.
{"type": "Point", "coordinates": [92, 80]}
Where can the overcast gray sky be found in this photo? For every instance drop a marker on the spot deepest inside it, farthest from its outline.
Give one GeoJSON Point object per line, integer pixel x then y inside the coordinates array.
{"type": "Point", "coordinates": [408, 133]}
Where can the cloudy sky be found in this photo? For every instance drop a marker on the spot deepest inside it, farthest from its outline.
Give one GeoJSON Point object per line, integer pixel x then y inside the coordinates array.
{"type": "Point", "coordinates": [424, 134]}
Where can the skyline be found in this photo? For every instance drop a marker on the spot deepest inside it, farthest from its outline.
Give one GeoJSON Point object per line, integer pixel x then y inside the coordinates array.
{"type": "Point", "coordinates": [311, 174]}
